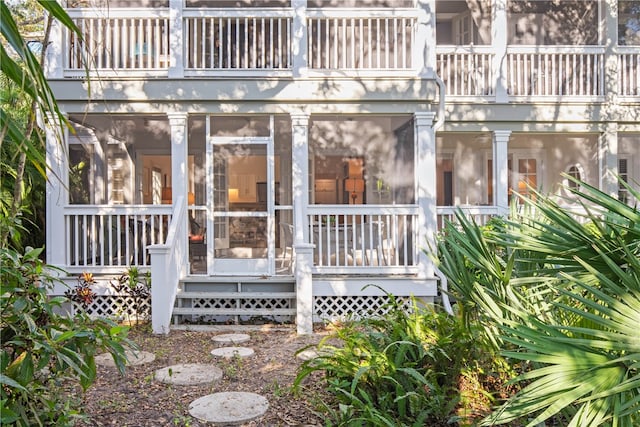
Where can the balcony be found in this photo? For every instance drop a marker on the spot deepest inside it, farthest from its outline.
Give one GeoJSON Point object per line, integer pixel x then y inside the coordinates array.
{"type": "Point", "coordinates": [345, 42]}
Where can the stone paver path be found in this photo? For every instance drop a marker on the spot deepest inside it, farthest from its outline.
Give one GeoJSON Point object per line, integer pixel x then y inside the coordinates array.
{"type": "Point", "coordinates": [189, 374]}
{"type": "Point", "coordinates": [135, 358]}
{"type": "Point", "coordinates": [230, 352]}
{"type": "Point", "coordinates": [231, 339]}
{"type": "Point", "coordinates": [229, 408]}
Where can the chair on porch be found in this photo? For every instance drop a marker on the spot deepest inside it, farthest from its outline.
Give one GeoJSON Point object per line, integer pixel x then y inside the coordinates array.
{"type": "Point", "coordinates": [197, 239]}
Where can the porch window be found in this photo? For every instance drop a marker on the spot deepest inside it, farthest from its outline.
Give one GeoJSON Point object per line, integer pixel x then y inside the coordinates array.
{"type": "Point", "coordinates": [361, 160]}
{"type": "Point", "coordinates": [463, 23]}
{"type": "Point", "coordinates": [81, 176]}
{"type": "Point", "coordinates": [548, 22]}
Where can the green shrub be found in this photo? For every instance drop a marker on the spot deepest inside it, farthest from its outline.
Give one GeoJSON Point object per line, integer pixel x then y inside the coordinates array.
{"type": "Point", "coordinates": [43, 352]}
{"type": "Point", "coordinates": [404, 369]}
{"type": "Point", "coordinates": [560, 293]}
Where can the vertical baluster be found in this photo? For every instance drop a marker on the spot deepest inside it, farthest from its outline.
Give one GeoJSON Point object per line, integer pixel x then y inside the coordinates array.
{"type": "Point", "coordinates": [455, 74]}
{"type": "Point", "coordinates": [203, 43]}
{"type": "Point", "coordinates": [378, 41]}
{"type": "Point", "coordinates": [395, 43]}
{"type": "Point", "coordinates": [228, 43]}
{"type": "Point", "coordinates": [335, 41]}
{"type": "Point", "coordinates": [139, 43]}
{"type": "Point", "coordinates": [289, 55]}
{"type": "Point", "coordinates": [386, 43]}
{"type": "Point", "coordinates": [282, 59]}
{"type": "Point", "coordinates": [156, 34]}
{"type": "Point", "coordinates": [327, 45]}
{"type": "Point", "coordinates": [404, 43]}
{"type": "Point", "coordinates": [353, 43]}
{"type": "Point", "coordinates": [99, 46]}
{"type": "Point", "coordinates": [221, 46]}
{"type": "Point", "coordinates": [361, 43]}
{"type": "Point", "coordinates": [318, 46]}
{"type": "Point", "coordinates": [110, 60]}
{"type": "Point", "coordinates": [343, 43]}
{"type": "Point", "coordinates": [147, 44]}
{"type": "Point", "coordinates": [210, 43]}
{"type": "Point", "coordinates": [254, 49]}
{"type": "Point", "coordinates": [369, 44]}
{"type": "Point", "coordinates": [263, 46]}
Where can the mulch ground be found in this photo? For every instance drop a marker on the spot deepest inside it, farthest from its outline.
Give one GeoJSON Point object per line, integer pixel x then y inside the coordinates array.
{"type": "Point", "coordinates": [137, 399]}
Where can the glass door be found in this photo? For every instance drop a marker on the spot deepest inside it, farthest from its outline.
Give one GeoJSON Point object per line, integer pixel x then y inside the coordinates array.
{"type": "Point", "coordinates": [242, 207]}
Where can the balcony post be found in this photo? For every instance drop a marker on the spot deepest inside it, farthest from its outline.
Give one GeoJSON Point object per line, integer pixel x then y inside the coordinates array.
{"type": "Point", "coordinates": [501, 170]}
{"type": "Point", "coordinates": [610, 36]}
{"type": "Point", "coordinates": [57, 193]}
{"type": "Point", "coordinates": [608, 155]}
{"type": "Point", "coordinates": [425, 178]}
{"type": "Point", "coordinates": [56, 52]}
{"type": "Point", "coordinates": [499, 44]}
{"type": "Point", "coordinates": [424, 52]}
{"type": "Point", "coordinates": [299, 41]}
{"type": "Point", "coordinates": [176, 41]}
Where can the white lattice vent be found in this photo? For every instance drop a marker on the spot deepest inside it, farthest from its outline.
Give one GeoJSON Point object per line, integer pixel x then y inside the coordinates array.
{"type": "Point", "coordinates": [214, 303]}
{"type": "Point", "coordinates": [116, 306]}
{"type": "Point", "coordinates": [354, 307]}
{"type": "Point", "coordinates": [267, 303]}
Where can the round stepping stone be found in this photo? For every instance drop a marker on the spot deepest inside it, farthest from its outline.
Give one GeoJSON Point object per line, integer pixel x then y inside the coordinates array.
{"type": "Point", "coordinates": [189, 374]}
{"type": "Point", "coordinates": [229, 408]}
{"type": "Point", "coordinates": [135, 358]}
{"type": "Point", "coordinates": [231, 338]}
{"type": "Point", "coordinates": [312, 353]}
{"type": "Point", "coordinates": [230, 352]}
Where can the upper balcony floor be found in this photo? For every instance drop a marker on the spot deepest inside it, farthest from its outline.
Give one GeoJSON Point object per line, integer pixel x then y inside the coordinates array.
{"type": "Point", "coordinates": [483, 50]}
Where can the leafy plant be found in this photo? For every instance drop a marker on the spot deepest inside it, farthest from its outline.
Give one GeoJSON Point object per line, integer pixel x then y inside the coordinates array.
{"type": "Point", "coordinates": [42, 350]}
{"type": "Point", "coordinates": [138, 287]}
{"type": "Point", "coordinates": [561, 293]}
{"type": "Point", "coordinates": [82, 292]}
{"type": "Point", "coordinates": [402, 369]}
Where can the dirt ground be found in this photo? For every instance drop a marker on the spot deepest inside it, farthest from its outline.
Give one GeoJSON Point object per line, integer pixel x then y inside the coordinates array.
{"type": "Point", "coordinates": [136, 399]}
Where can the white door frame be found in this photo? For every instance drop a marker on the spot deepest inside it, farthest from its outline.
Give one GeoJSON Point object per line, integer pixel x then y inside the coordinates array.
{"type": "Point", "coordinates": [236, 266]}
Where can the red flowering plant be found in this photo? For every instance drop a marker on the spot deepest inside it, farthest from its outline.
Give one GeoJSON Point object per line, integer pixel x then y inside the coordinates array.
{"type": "Point", "coordinates": [82, 292]}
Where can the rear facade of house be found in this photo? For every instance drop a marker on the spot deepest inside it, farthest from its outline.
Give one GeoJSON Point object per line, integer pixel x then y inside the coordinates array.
{"type": "Point", "coordinates": [270, 159]}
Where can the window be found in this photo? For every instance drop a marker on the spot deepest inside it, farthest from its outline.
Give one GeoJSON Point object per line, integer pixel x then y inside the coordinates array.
{"type": "Point", "coordinates": [628, 22]}
{"type": "Point", "coordinates": [575, 172]}
{"type": "Point", "coordinates": [623, 173]}
{"type": "Point", "coordinates": [525, 176]}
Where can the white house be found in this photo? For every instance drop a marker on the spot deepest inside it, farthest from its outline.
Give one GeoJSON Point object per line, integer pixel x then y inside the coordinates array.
{"type": "Point", "coordinates": [273, 157]}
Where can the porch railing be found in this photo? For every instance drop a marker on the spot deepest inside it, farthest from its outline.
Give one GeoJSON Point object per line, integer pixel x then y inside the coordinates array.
{"type": "Point", "coordinates": [360, 39]}
{"type": "Point", "coordinates": [555, 70]}
{"type": "Point", "coordinates": [480, 214]}
{"type": "Point", "coordinates": [466, 70]}
{"type": "Point", "coordinates": [118, 39]}
{"type": "Point", "coordinates": [113, 236]}
{"type": "Point", "coordinates": [363, 239]}
{"type": "Point", "coordinates": [249, 39]}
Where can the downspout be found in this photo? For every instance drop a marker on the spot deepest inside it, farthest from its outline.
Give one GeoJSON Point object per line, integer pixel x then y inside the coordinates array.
{"type": "Point", "coordinates": [437, 125]}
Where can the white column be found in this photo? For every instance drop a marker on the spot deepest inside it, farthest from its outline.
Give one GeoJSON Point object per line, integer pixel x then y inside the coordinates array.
{"type": "Point", "coordinates": [299, 41]}
{"type": "Point", "coordinates": [609, 159]}
{"type": "Point", "coordinates": [303, 251]}
{"type": "Point", "coordinates": [57, 194]}
{"type": "Point", "coordinates": [424, 53]}
{"type": "Point", "coordinates": [179, 163]}
{"type": "Point", "coordinates": [300, 173]}
{"type": "Point", "coordinates": [499, 45]}
{"type": "Point", "coordinates": [176, 41]}
{"type": "Point", "coordinates": [425, 176]}
{"type": "Point", "coordinates": [56, 52]}
{"type": "Point", "coordinates": [501, 170]}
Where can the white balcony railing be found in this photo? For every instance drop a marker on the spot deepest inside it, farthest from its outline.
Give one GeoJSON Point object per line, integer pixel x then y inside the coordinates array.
{"type": "Point", "coordinates": [363, 239]}
{"type": "Point", "coordinates": [466, 71]}
{"type": "Point", "coordinates": [360, 39]}
{"type": "Point", "coordinates": [113, 236]}
{"type": "Point", "coordinates": [629, 72]}
{"type": "Point", "coordinates": [555, 71]}
{"type": "Point", "coordinates": [248, 39]}
{"type": "Point", "coordinates": [118, 39]}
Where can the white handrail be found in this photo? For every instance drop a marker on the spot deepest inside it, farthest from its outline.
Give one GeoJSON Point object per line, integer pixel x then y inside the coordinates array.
{"type": "Point", "coordinates": [168, 267]}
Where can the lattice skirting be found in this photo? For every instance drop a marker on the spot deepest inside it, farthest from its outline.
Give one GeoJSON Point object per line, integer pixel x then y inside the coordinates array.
{"type": "Point", "coordinates": [116, 307]}
{"type": "Point", "coordinates": [354, 307]}
{"type": "Point", "coordinates": [243, 303]}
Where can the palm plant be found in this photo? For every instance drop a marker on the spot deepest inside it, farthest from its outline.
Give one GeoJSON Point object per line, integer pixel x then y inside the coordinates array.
{"type": "Point", "coordinates": [560, 292]}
